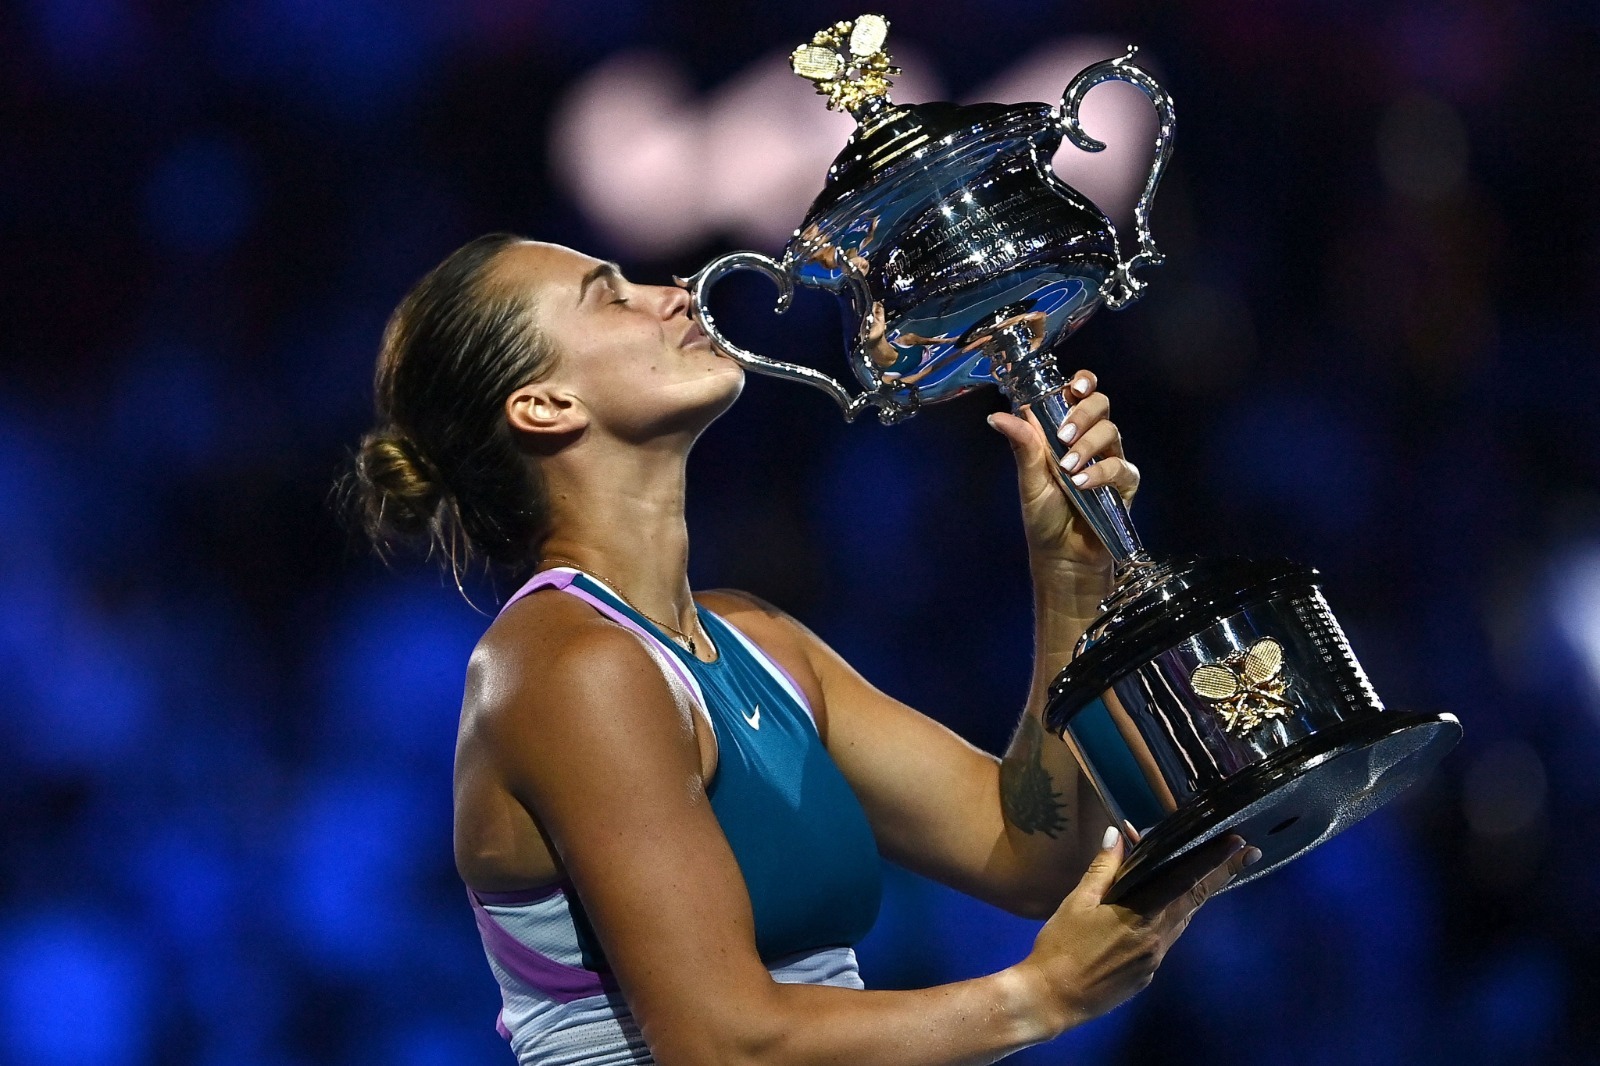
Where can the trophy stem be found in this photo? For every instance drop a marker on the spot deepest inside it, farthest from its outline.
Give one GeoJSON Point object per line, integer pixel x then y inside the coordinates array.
{"type": "Point", "coordinates": [1032, 381]}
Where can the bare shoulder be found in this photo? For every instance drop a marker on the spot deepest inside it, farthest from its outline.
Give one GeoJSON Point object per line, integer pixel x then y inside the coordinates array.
{"type": "Point", "coordinates": [543, 667]}
{"type": "Point", "coordinates": [754, 615]}
{"type": "Point", "coordinates": [539, 635]}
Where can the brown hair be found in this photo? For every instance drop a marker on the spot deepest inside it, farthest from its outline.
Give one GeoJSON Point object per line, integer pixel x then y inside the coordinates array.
{"type": "Point", "coordinates": [441, 468]}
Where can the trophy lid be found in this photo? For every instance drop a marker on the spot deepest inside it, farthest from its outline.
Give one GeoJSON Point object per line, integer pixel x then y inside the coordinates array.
{"type": "Point", "coordinates": [849, 66]}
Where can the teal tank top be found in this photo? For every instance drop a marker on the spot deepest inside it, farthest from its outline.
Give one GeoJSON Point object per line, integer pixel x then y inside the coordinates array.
{"type": "Point", "coordinates": [801, 839]}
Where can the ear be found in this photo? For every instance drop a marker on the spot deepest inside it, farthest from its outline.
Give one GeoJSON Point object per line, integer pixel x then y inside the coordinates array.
{"type": "Point", "coordinates": [546, 410]}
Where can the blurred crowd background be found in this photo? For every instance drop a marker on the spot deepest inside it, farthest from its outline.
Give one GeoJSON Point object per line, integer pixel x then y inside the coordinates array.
{"type": "Point", "coordinates": [226, 731]}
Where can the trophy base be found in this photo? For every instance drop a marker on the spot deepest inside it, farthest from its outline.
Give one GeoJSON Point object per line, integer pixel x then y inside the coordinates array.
{"type": "Point", "coordinates": [1300, 797]}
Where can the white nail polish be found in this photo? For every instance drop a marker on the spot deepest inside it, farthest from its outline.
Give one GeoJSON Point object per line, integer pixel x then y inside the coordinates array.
{"type": "Point", "coordinates": [1081, 480]}
{"type": "Point", "coordinates": [1081, 386]}
{"type": "Point", "coordinates": [1069, 462]}
{"type": "Point", "coordinates": [1067, 432]}
{"type": "Point", "coordinates": [1109, 841]}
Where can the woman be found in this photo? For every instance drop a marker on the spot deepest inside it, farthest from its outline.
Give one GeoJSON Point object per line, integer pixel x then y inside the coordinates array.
{"type": "Point", "coordinates": [669, 805]}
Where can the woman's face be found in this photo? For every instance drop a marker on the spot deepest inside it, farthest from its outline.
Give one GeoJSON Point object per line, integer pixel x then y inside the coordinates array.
{"type": "Point", "coordinates": [631, 354]}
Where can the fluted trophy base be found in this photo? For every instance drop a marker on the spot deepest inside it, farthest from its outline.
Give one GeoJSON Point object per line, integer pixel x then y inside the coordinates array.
{"type": "Point", "coordinates": [1220, 696]}
{"type": "Point", "coordinates": [1300, 798]}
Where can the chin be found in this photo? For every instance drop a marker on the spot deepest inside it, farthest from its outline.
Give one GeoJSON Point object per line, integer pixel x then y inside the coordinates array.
{"type": "Point", "coordinates": [730, 377]}
{"type": "Point", "coordinates": [701, 403]}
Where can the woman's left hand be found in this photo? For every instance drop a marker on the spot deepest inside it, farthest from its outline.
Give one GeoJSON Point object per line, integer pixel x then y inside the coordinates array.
{"type": "Point", "coordinates": [1056, 532]}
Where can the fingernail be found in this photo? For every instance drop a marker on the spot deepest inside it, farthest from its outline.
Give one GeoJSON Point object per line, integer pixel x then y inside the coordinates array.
{"type": "Point", "coordinates": [1081, 480]}
{"type": "Point", "coordinates": [1109, 840]}
{"type": "Point", "coordinates": [1081, 386]}
{"type": "Point", "coordinates": [1067, 432]}
{"type": "Point", "coordinates": [1252, 855]}
{"type": "Point", "coordinates": [1069, 462]}
{"type": "Point", "coordinates": [989, 421]}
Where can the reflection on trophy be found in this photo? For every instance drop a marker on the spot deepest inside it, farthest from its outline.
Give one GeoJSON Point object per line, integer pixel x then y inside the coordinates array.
{"type": "Point", "coordinates": [1211, 695]}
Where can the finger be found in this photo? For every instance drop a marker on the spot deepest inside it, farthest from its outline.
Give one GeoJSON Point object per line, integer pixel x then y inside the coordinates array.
{"type": "Point", "coordinates": [1101, 440]}
{"type": "Point", "coordinates": [1176, 918]}
{"type": "Point", "coordinates": [1083, 383]}
{"type": "Point", "coordinates": [1173, 884]}
{"type": "Point", "coordinates": [1085, 413]}
{"type": "Point", "coordinates": [1025, 437]}
{"type": "Point", "coordinates": [1118, 473]}
{"type": "Point", "coordinates": [1102, 871]}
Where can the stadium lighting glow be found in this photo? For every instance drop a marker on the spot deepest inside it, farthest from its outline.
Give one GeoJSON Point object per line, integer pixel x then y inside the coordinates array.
{"type": "Point", "coordinates": [659, 170]}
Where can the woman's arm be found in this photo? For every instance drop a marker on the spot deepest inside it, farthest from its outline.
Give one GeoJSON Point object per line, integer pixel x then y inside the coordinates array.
{"type": "Point", "coordinates": [1052, 815]}
{"type": "Point", "coordinates": [590, 737]}
{"type": "Point", "coordinates": [1016, 832]}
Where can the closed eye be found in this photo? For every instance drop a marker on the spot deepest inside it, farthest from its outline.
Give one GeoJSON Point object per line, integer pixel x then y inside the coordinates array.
{"type": "Point", "coordinates": [610, 272]}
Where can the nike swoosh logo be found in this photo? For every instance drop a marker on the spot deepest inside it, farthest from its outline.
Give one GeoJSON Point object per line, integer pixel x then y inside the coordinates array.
{"type": "Point", "coordinates": [754, 717]}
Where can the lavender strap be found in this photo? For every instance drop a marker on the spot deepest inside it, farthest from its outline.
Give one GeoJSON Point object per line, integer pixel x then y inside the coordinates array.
{"type": "Point", "coordinates": [562, 577]}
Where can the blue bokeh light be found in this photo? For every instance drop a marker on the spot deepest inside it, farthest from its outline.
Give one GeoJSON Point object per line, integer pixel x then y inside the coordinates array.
{"type": "Point", "coordinates": [350, 863]}
{"type": "Point", "coordinates": [73, 990]}
{"type": "Point", "coordinates": [396, 669]}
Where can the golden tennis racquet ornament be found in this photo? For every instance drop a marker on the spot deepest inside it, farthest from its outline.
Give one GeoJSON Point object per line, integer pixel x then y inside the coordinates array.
{"type": "Point", "coordinates": [1246, 688]}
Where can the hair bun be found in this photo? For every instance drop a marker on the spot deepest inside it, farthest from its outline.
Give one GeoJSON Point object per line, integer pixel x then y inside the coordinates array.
{"type": "Point", "coordinates": [400, 488]}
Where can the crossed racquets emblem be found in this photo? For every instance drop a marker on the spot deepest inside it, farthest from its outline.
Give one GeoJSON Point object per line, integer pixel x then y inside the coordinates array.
{"type": "Point", "coordinates": [1247, 687]}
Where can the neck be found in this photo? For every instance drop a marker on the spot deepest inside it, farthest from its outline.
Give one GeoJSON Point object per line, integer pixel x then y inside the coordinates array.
{"type": "Point", "coordinates": [619, 517]}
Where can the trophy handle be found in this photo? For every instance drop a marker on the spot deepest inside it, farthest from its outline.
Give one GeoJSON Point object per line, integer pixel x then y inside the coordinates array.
{"type": "Point", "coordinates": [700, 285]}
{"type": "Point", "coordinates": [1125, 288]}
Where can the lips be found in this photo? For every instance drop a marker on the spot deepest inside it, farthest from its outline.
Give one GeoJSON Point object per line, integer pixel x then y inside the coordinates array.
{"type": "Point", "coordinates": [693, 335]}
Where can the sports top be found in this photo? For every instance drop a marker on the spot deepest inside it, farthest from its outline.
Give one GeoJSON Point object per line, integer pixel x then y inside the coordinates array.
{"type": "Point", "coordinates": [799, 835]}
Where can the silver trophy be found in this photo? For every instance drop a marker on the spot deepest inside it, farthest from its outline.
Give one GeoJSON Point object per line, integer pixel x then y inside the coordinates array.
{"type": "Point", "coordinates": [1211, 695]}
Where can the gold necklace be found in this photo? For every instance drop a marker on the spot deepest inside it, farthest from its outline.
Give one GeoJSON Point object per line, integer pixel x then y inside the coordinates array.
{"type": "Point", "coordinates": [679, 635]}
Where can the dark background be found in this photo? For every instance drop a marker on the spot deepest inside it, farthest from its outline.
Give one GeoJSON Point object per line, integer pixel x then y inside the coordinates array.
{"type": "Point", "coordinates": [225, 732]}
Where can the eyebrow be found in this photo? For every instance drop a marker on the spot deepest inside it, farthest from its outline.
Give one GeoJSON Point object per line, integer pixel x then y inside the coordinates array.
{"type": "Point", "coordinates": [603, 270]}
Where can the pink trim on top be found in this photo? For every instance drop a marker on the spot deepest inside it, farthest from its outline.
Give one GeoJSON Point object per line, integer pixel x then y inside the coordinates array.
{"type": "Point", "coordinates": [562, 577]}
{"type": "Point", "coordinates": [556, 577]}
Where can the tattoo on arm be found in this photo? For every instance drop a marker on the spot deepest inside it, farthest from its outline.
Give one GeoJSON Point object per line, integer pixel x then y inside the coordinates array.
{"type": "Point", "coordinates": [1026, 794]}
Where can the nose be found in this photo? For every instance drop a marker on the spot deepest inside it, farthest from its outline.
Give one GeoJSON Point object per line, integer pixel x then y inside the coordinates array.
{"type": "Point", "coordinates": [675, 301]}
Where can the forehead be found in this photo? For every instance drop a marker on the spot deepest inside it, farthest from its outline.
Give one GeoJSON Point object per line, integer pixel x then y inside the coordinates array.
{"type": "Point", "coordinates": [537, 265]}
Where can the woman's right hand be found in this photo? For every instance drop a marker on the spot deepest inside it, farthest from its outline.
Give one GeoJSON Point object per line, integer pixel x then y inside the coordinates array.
{"type": "Point", "coordinates": [1092, 956]}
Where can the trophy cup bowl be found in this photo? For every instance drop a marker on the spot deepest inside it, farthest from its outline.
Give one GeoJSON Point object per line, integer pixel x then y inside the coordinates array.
{"type": "Point", "coordinates": [1211, 695]}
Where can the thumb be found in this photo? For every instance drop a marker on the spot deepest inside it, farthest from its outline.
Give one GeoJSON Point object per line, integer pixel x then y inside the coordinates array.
{"type": "Point", "coordinates": [1034, 461]}
{"type": "Point", "coordinates": [1103, 869]}
{"type": "Point", "coordinates": [1012, 428]}
{"type": "Point", "coordinates": [1025, 438]}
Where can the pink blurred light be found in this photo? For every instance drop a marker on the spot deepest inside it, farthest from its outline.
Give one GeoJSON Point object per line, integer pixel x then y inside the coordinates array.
{"type": "Point", "coordinates": [627, 145]}
{"type": "Point", "coordinates": [769, 141]}
{"type": "Point", "coordinates": [660, 171]}
{"type": "Point", "coordinates": [1114, 112]}
{"type": "Point", "coordinates": [1576, 606]}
